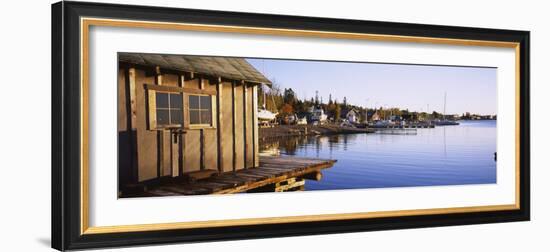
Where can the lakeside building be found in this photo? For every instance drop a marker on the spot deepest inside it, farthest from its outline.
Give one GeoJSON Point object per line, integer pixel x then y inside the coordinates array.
{"type": "Point", "coordinates": [183, 114]}
{"type": "Point", "coordinates": [374, 116]}
{"type": "Point", "coordinates": [352, 115]}
{"type": "Point", "coordinates": [318, 114]}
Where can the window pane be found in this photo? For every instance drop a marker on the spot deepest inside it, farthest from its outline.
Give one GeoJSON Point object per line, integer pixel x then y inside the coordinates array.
{"type": "Point", "coordinates": [205, 102]}
{"type": "Point", "coordinates": [194, 117]}
{"type": "Point", "coordinates": [162, 100]}
{"type": "Point", "coordinates": [206, 117]}
{"type": "Point", "coordinates": [176, 116]}
{"type": "Point", "coordinates": [175, 100]}
{"type": "Point", "coordinates": [162, 117]}
{"type": "Point", "coordinates": [193, 102]}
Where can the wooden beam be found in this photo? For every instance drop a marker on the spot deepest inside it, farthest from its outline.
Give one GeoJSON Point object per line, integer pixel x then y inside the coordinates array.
{"type": "Point", "coordinates": [160, 153]}
{"type": "Point", "coordinates": [219, 126]}
{"type": "Point", "coordinates": [158, 76]}
{"type": "Point", "coordinates": [234, 113]}
{"type": "Point", "coordinates": [131, 118]}
{"type": "Point", "coordinates": [255, 135]}
{"type": "Point", "coordinates": [244, 126]}
{"type": "Point", "coordinates": [202, 149]}
{"type": "Point", "coordinates": [198, 91]}
{"type": "Point", "coordinates": [317, 176]}
{"type": "Point", "coordinates": [181, 148]}
{"type": "Point", "coordinates": [179, 89]}
{"type": "Point", "coordinates": [160, 133]}
{"type": "Point", "coordinates": [181, 81]}
{"type": "Point", "coordinates": [151, 109]}
{"type": "Point", "coordinates": [177, 169]}
{"type": "Point", "coordinates": [174, 154]}
{"type": "Point", "coordinates": [133, 104]}
{"type": "Point", "coordinates": [181, 137]}
{"type": "Point", "coordinates": [214, 80]}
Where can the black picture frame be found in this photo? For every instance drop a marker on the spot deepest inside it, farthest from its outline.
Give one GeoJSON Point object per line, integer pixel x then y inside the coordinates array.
{"type": "Point", "coordinates": [66, 126]}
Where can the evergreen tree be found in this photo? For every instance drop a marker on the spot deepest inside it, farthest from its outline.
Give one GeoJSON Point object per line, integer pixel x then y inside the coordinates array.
{"type": "Point", "coordinates": [337, 112]}
{"type": "Point", "coordinates": [289, 96]}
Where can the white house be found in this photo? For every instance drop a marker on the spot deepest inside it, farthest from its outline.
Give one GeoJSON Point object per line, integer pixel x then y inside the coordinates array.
{"type": "Point", "coordinates": [352, 116]}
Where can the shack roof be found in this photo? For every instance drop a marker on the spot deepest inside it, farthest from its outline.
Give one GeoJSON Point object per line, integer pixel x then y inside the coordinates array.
{"type": "Point", "coordinates": [225, 67]}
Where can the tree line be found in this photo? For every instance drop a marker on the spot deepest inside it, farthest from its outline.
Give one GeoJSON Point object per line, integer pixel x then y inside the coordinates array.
{"type": "Point", "coordinates": [286, 102]}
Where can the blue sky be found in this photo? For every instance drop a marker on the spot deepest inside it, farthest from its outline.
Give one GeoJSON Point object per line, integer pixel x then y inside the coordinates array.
{"type": "Point", "coordinates": [469, 89]}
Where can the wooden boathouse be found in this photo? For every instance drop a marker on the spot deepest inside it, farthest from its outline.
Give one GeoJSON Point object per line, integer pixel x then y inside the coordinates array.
{"type": "Point", "coordinates": [191, 122]}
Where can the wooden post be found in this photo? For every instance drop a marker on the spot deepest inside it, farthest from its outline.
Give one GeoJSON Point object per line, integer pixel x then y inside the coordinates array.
{"type": "Point", "coordinates": [181, 146]}
{"type": "Point", "coordinates": [160, 153]}
{"type": "Point", "coordinates": [202, 149]}
{"type": "Point", "coordinates": [244, 125]}
{"type": "Point", "coordinates": [219, 125]}
{"type": "Point", "coordinates": [133, 125]}
{"type": "Point", "coordinates": [158, 76]}
{"type": "Point", "coordinates": [133, 104]}
{"type": "Point", "coordinates": [181, 80]}
{"type": "Point", "coordinates": [176, 151]}
{"type": "Point", "coordinates": [317, 176]}
{"type": "Point", "coordinates": [234, 102]}
{"type": "Point", "coordinates": [174, 154]}
{"type": "Point", "coordinates": [255, 136]}
{"type": "Point", "coordinates": [160, 133]}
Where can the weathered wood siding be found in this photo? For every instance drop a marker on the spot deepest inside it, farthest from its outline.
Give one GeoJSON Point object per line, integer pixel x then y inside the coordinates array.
{"type": "Point", "coordinates": [157, 152]}
{"type": "Point", "coordinates": [170, 80]}
{"type": "Point", "coordinates": [192, 151]}
{"type": "Point", "coordinates": [166, 154]}
{"type": "Point", "coordinates": [210, 143]}
{"type": "Point", "coordinates": [146, 139]}
{"type": "Point", "coordinates": [210, 149]}
{"type": "Point", "coordinates": [194, 83]}
{"type": "Point", "coordinates": [122, 103]}
{"type": "Point", "coordinates": [227, 129]}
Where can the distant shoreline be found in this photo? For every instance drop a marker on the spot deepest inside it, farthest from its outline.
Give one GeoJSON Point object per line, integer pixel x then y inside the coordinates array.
{"type": "Point", "coordinates": [280, 131]}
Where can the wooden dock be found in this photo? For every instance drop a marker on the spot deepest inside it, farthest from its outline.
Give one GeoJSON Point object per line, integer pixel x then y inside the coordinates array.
{"type": "Point", "coordinates": [396, 131]}
{"type": "Point", "coordinates": [273, 174]}
{"type": "Point", "coordinates": [407, 126]}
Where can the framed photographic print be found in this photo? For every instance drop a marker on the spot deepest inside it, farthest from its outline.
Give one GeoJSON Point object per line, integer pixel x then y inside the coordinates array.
{"type": "Point", "coordinates": [180, 125]}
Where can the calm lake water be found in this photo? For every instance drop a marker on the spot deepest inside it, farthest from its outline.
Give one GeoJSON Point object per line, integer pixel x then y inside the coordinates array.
{"type": "Point", "coordinates": [445, 155]}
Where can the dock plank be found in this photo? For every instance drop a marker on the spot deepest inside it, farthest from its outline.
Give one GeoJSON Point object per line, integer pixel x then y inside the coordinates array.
{"type": "Point", "coordinates": [270, 171]}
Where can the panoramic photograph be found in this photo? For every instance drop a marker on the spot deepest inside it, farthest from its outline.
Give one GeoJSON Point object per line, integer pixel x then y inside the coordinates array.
{"type": "Point", "coordinates": [200, 125]}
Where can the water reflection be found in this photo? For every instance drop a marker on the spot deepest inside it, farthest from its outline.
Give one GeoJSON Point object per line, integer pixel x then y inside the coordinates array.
{"type": "Point", "coordinates": [448, 155]}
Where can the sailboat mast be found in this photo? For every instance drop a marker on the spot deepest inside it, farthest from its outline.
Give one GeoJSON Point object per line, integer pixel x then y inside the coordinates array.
{"type": "Point", "coordinates": [444, 105]}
